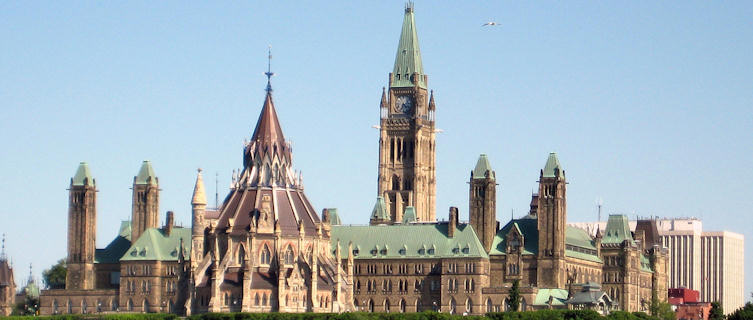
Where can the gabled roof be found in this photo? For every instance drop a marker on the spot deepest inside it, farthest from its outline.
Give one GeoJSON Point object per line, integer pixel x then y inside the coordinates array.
{"type": "Point", "coordinates": [155, 244]}
{"type": "Point", "coordinates": [380, 210]}
{"type": "Point", "coordinates": [421, 241]}
{"type": "Point", "coordinates": [408, 58]}
{"type": "Point", "coordinates": [552, 163]}
{"type": "Point", "coordinates": [527, 227]}
{"type": "Point", "coordinates": [617, 230]}
{"type": "Point", "coordinates": [117, 248]}
{"type": "Point", "coordinates": [82, 173]}
{"type": "Point", "coordinates": [482, 166]}
{"type": "Point", "coordinates": [146, 174]}
{"type": "Point", "coordinates": [558, 296]}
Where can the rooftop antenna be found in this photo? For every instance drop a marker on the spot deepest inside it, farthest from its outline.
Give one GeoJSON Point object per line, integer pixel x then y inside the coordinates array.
{"type": "Point", "coordinates": [216, 188]}
{"type": "Point", "coordinates": [269, 72]}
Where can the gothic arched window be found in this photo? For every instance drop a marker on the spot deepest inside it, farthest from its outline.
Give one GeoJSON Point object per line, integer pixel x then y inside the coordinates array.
{"type": "Point", "coordinates": [266, 255]}
{"type": "Point", "coordinates": [395, 182]}
{"type": "Point", "coordinates": [289, 255]}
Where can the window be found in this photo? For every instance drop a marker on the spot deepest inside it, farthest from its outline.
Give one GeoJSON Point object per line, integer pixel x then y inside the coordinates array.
{"type": "Point", "coordinates": [289, 256]}
{"type": "Point", "coordinates": [266, 255]}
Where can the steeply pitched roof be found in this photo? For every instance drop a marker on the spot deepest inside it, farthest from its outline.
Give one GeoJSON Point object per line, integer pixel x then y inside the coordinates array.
{"type": "Point", "coordinates": [583, 246]}
{"type": "Point", "coordinates": [552, 163]}
{"type": "Point", "coordinates": [82, 174]}
{"type": "Point", "coordinates": [482, 166]}
{"type": "Point", "coordinates": [146, 174]}
{"type": "Point", "coordinates": [268, 129]}
{"type": "Point", "coordinates": [415, 240]}
{"type": "Point", "coordinates": [408, 58]}
{"type": "Point", "coordinates": [617, 230]}
{"type": "Point", "coordinates": [334, 218]}
{"type": "Point", "coordinates": [155, 244]}
{"type": "Point", "coordinates": [117, 248]}
{"type": "Point", "coordinates": [199, 196]}
{"type": "Point", "coordinates": [409, 215]}
{"type": "Point", "coordinates": [650, 231]}
{"type": "Point", "coordinates": [527, 227]}
{"type": "Point", "coordinates": [380, 210]}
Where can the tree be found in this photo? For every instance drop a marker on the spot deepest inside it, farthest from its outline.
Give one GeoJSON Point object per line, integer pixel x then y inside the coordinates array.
{"type": "Point", "coordinates": [28, 307]}
{"type": "Point", "coordinates": [664, 311]}
{"type": "Point", "coordinates": [54, 277]}
{"type": "Point", "coordinates": [513, 301]}
{"type": "Point", "coordinates": [716, 312]}
{"type": "Point", "coordinates": [744, 313]}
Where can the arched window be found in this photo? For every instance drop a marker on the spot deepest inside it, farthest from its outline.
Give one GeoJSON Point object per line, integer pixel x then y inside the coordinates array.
{"type": "Point", "coordinates": [402, 305]}
{"type": "Point", "coordinates": [146, 306]}
{"type": "Point", "coordinates": [395, 182]}
{"type": "Point", "coordinates": [469, 305]}
{"type": "Point", "coordinates": [419, 307]}
{"type": "Point", "coordinates": [358, 285]}
{"type": "Point", "coordinates": [523, 304]}
{"type": "Point", "coordinates": [241, 255]}
{"type": "Point", "coordinates": [289, 256]}
{"type": "Point", "coordinates": [70, 306]}
{"type": "Point", "coordinates": [453, 306]}
{"type": "Point", "coordinates": [99, 305]}
{"type": "Point", "coordinates": [266, 255]}
{"type": "Point", "coordinates": [489, 306]}
{"type": "Point", "coordinates": [371, 305]}
{"type": "Point", "coordinates": [54, 306]}
{"type": "Point", "coordinates": [386, 305]}
{"type": "Point", "coordinates": [83, 306]}
{"type": "Point", "coordinates": [129, 305]}
{"type": "Point", "coordinates": [256, 299]}
{"type": "Point", "coordinates": [264, 299]}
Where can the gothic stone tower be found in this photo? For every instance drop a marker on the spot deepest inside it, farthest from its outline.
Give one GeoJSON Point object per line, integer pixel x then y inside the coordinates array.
{"type": "Point", "coordinates": [407, 175]}
{"type": "Point", "coordinates": [82, 229]}
{"type": "Point", "coordinates": [482, 207]}
{"type": "Point", "coordinates": [552, 215]}
{"type": "Point", "coordinates": [145, 213]}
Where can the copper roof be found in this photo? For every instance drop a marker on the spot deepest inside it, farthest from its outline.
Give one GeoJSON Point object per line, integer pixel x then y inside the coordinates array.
{"type": "Point", "coordinates": [268, 126]}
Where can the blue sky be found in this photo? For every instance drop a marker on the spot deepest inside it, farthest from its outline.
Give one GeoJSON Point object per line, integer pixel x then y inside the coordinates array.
{"type": "Point", "coordinates": [649, 105]}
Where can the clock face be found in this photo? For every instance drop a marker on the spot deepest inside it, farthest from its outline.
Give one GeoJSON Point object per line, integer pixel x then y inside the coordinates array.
{"type": "Point", "coordinates": [404, 104]}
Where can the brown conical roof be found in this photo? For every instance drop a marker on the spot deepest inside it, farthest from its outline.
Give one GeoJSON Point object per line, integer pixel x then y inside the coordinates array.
{"type": "Point", "coordinates": [268, 126]}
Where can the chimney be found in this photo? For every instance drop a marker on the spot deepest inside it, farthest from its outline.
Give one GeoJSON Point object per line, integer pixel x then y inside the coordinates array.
{"type": "Point", "coordinates": [169, 221]}
{"type": "Point", "coordinates": [453, 224]}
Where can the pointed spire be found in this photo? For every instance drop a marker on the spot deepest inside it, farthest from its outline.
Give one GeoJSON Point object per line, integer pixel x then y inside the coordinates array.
{"type": "Point", "coordinates": [269, 72]}
{"type": "Point", "coordinates": [483, 168]}
{"type": "Point", "coordinates": [3, 256]}
{"type": "Point", "coordinates": [83, 176]}
{"type": "Point", "coordinates": [199, 196]}
{"type": "Point", "coordinates": [552, 169]}
{"type": "Point", "coordinates": [409, 215]}
{"type": "Point", "coordinates": [432, 105]}
{"type": "Point", "coordinates": [268, 127]}
{"type": "Point", "coordinates": [146, 174]}
{"type": "Point", "coordinates": [408, 58]}
{"type": "Point", "coordinates": [383, 103]}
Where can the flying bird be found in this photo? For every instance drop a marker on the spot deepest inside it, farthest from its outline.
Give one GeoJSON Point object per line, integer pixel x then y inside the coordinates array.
{"type": "Point", "coordinates": [491, 23]}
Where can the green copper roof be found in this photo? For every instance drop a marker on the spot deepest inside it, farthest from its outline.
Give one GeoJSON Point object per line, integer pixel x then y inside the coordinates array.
{"type": "Point", "coordinates": [145, 173]}
{"type": "Point", "coordinates": [527, 227]}
{"type": "Point", "coordinates": [617, 230]}
{"type": "Point", "coordinates": [409, 215]}
{"type": "Point", "coordinates": [155, 244]}
{"type": "Point", "coordinates": [586, 249]}
{"type": "Point", "coordinates": [380, 210]}
{"type": "Point", "coordinates": [334, 218]}
{"type": "Point", "coordinates": [415, 241]}
{"type": "Point", "coordinates": [482, 166]}
{"type": "Point", "coordinates": [559, 297]}
{"type": "Point", "coordinates": [116, 248]}
{"type": "Point", "coordinates": [82, 173]}
{"type": "Point", "coordinates": [408, 59]}
{"type": "Point", "coordinates": [31, 289]}
{"type": "Point", "coordinates": [552, 163]}
{"type": "Point", "coordinates": [646, 263]}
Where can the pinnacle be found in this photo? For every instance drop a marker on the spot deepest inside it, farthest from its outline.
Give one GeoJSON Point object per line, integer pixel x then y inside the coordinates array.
{"type": "Point", "coordinates": [199, 196]}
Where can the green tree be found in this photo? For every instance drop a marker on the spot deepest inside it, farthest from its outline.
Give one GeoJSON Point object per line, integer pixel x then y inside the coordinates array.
{"type": "Point", "coordinates": [664, 311]}
{"type": "Point", "coordinates": [744, 313]}
{"type": "Point", "coordinates": [513, 301]}
{"type": "Point", "coordinates": [28, 307]}
{"type": "Point", "coordinates": [54, 277]}
{"type": "Point", "coordinates": [716, 312]}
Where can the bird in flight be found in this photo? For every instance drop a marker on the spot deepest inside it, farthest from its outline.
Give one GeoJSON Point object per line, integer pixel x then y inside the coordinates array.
{"type": "Point", "coordinates": [491, 23]}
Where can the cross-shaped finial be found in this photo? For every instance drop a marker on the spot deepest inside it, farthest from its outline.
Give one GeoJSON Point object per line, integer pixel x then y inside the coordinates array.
{"type": "Point", "coordinates": [269, 72]}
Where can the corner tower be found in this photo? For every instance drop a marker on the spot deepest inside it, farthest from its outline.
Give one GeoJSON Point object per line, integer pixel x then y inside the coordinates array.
{"type": "Point", "coordinates": [407, 174]}
{"type": "Point", "coordinates": [145, 210]}
{"type": "Point", "coordinates": [82, 229]}
{"type": "Point", "coordinates": [482, 207]}
{"type": "Point", "coordinates": [552, 217]}
{"type": "Point", "coordinates": [198, 208]}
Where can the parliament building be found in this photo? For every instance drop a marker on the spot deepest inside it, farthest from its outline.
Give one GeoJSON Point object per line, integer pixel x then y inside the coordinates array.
{"type": "Point", "coordinates": [266, 248]}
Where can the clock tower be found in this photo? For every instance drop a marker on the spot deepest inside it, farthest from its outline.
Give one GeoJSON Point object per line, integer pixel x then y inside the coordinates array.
{"type": "Point", "coordinates": [407, 174]}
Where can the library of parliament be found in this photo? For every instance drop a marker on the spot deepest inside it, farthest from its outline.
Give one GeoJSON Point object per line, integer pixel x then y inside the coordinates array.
{"type": "Point", "coordinates": [266, 248]}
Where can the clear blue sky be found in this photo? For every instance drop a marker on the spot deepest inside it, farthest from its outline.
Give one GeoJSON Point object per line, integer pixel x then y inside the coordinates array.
{"type": "Point", "coordinates": [649, 105]}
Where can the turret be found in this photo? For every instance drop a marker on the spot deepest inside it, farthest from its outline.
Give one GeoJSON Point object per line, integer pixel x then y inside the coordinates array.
{"type": "Point", "coordinates": [145, 205]}
{"type": "Point", "coordinates": [198, 225]}
{"type": "Point", "coordinates": [82, 229]}
{"type": "Point", "coordinates": [482, 197]}
{"type": "Point", "coordinates": [551, 220]}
